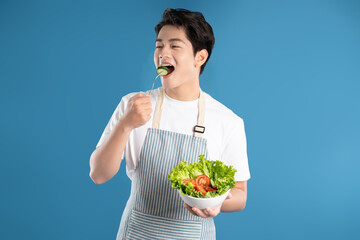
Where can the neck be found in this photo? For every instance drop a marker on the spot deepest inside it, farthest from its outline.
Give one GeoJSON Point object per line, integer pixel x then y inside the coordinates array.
{"type": "Point", "coordinates": [184, 92]}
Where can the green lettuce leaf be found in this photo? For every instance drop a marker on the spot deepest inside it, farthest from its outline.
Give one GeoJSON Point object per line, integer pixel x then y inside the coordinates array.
{"type": "Point", "coordinates": [220, 175]}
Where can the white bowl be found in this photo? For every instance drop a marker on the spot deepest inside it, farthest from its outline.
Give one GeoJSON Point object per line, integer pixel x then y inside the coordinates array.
{"type": "Point", "coordinates": [203, 203]}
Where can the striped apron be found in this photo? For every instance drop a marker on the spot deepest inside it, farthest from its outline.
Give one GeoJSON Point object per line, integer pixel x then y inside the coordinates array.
{"type": "Point", "coordinates": [154, 209]}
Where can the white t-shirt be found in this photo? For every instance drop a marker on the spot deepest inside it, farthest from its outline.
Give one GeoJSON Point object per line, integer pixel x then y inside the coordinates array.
{"type": "Point", "coordinates": [224, 131]}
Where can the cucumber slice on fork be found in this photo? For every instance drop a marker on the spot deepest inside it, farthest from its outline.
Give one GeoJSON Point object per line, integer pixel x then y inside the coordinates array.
{"type": "Point", "coordinates": [161, 71]}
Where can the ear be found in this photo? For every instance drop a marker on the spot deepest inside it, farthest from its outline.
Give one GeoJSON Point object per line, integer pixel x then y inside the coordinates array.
{"type": "Point", "coordinates": [201, 57]}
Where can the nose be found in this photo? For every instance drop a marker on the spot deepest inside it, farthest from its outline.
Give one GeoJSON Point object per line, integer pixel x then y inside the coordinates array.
{"type": "Point", "coordinates": [164, 52]}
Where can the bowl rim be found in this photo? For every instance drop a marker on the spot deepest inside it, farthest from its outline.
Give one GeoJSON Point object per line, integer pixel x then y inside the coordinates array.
{"type": "Point", "coordinates": [204, 198]}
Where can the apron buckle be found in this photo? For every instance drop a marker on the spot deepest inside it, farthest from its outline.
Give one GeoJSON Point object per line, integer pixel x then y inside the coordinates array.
{"type": "Point", "coordinates": [199, 129]}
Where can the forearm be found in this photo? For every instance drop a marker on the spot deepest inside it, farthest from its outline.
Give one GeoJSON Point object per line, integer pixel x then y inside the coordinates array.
{"type": "Point", "coordinates": [106, 159]}
{"type": "Point", "coordinates": [236, 203]}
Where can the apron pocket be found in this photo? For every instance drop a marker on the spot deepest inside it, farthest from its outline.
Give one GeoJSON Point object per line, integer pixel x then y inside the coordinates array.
{"type": "Point", "coordinates": [145, 226]}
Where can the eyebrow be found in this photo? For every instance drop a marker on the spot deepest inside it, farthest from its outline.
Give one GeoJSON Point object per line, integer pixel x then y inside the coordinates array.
{"type": "Point", "coordinates": [170, 40]}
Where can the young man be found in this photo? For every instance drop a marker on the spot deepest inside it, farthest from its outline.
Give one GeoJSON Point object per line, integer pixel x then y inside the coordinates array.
{"type": "Point", "coordinates": [156, 130]}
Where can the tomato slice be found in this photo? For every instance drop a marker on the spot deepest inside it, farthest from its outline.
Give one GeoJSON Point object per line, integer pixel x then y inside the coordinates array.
{"type": "Point", "coordinates": [209, 189]}
{"type": "Point", "coordinates": [203, 181]}
{"type": "Point", "coordinates": [200, 189]}
{"type": "Point", "coordinates": [215, 188]}
{"type": "Point", "coordinates": [186, 180]}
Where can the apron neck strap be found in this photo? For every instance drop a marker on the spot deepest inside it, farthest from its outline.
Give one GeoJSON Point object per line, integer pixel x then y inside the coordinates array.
{"type": "Point", "coordinates": [199, 129]}
{"type": "Point", "coordinates": [158, 109]}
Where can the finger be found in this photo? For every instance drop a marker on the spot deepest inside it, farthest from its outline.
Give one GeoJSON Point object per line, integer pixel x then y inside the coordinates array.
{"type": "Point", "coordinates": [142, 100]}
{"type": "Point", "coordinates": [140, 96]}
{"type": "Point", "coordinates": [146, 118]}
{"type": "Point", "coordinates": [213, 212]}
{"type": "Point", "coordinates": [229, 196]}
{"type": "Point", "coordinates": [189, 208]}
{"type": "Point", "coordinates": [146, 106]}
{"type": "Point", "coordinates": [148, 111]}
{"type": "Point", "coordinates": [199, 212]}
{"type": "Point", "coordinates": [139, 105]}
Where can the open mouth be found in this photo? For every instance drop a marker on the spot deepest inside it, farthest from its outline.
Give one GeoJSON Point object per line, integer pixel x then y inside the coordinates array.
{"type": "Point", "coordinates": [170, 68]}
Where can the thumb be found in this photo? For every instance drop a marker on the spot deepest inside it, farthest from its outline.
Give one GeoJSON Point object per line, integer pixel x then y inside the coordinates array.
{"type": "Point", "coordinates": [229, 196]}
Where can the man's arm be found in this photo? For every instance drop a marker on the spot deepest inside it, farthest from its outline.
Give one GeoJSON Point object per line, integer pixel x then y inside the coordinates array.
{"type": "Point", "coordinates": [106, 159]}
{"type": "Point", "coordinates": [238, 198]}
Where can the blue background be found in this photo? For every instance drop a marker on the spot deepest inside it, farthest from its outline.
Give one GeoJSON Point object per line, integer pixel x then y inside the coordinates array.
{"type": "Point", "coordinates": [290, 69]}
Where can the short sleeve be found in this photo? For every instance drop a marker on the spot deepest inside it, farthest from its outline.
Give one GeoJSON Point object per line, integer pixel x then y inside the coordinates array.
{"type": "Point", "coordinates": [119, 111]}
{"type": "Point", "coordinates": [235, 151]}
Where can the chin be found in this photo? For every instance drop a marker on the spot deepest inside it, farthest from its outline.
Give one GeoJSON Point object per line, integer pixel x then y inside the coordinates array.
{"type": "Point", "coordinates": [170, 83]}
{"type": "Point", "coordinates": [173, 83]}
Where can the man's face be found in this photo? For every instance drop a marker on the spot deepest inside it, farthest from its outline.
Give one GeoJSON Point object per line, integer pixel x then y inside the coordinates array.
{"type": "Point", "coordinates": [173, 48]}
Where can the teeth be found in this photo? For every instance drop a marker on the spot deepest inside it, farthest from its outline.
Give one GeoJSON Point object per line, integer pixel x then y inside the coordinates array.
{"type": "Point", "coordinates": [167, 65]}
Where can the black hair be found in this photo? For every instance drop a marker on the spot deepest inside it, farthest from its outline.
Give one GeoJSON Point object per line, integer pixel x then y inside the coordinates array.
{"type": "Point", "coordinates": [198, 31]}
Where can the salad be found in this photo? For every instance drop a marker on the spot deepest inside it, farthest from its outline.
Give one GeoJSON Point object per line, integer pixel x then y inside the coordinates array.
{"type": "Point", "coordinates": [203, 179]}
